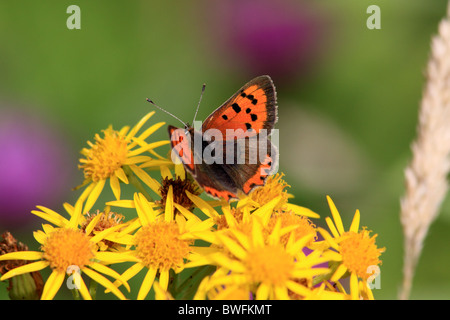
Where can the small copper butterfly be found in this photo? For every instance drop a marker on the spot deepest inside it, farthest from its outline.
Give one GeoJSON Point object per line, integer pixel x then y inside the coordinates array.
{"type": "Point", "coordinates": [231, 152]}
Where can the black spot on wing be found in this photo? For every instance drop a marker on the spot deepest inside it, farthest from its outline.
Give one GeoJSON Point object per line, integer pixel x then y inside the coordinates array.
{"type": "Point", "coordinates": [236, 107]}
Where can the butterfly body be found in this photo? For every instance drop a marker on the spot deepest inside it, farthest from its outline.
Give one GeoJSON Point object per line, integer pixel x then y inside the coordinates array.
{"type": "Point", "coordinates": [231, 152]}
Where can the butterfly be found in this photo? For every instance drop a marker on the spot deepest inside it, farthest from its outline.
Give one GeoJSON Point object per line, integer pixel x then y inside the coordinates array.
{"type": "Point", "coordinates": [231, 153]}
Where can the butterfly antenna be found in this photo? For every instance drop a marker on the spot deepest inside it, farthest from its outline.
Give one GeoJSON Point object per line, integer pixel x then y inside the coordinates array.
{"type": "Point", "coordinates": [198, 106]}
{"type": "Point", "coordinates": [185, 124]}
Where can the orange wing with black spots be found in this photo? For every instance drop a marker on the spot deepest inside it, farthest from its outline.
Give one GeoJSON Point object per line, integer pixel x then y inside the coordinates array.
{"type": "Point", "coordinates": [251, 108]}
{"type": "Point", "coordinates": [181, 147]}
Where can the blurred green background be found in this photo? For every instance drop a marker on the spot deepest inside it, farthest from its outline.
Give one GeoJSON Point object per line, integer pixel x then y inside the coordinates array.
{"type": "Point", "coordinates": [348, 98]}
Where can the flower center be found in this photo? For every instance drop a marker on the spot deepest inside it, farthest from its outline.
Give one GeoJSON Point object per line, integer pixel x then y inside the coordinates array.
{"type": "Point", "coordinates": [269, 264]}
{"type": "Point", "coordinates": [359, 252]}
{"type": "Point", "coordinates": [180, 186]}
{"type": "Point", "coordinates": [107, 220]}
{"type": "Point", "coordinates": [66, 247]}
{"type": "Point", "coordinates": [273, 187]}
{"type": "Point", "coordinates": [158, 245]}
{"type": "Point", "coordinates": [105, 156]}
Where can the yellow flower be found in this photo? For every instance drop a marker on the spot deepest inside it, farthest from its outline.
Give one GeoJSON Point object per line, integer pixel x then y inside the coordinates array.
{"type": "Point", "coordinates": [67, 250]}
{"type": "Point", "coordinates": [109, 155]}
{"type": "Point", "coordinates": [163, 242]}
{"type": "Point", "coordinates": [355, 251]}
{"type": "Point", "coordinates": [275, 187]}
{"type": "Point", "coordinates": [269, 268]}
{"type": "Point", "coordinates": [105, 221]}
{"type": "Point", "coordinates": [180, 184]}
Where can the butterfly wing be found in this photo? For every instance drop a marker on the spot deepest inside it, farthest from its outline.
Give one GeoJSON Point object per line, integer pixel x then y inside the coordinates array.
{"type": "Point", "coordinates": [251, 108]}
{"type": "Point", "coordinates": [211, 177]}
{"type": "Point", "coordinates": [181, 148]}
{"type": "Point", "coordinates": [215, 181]}
{"type": "Point", "coordinates": [260, 161]}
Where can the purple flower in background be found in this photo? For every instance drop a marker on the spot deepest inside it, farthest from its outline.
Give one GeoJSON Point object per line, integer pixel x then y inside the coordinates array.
{"type": "Point", "coordinates": [34, 167]}
{"type": "Point", "coordinates": [279, 38]}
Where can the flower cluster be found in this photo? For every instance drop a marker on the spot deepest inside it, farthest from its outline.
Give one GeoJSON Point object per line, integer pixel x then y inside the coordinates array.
{"type": "Point", "coordinates": [186, 245]}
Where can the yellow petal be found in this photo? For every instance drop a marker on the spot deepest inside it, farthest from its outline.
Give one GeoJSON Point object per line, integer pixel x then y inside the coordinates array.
{"type": "Point", "coordinates": [56, 221]}
{"type": "Point", "coordinates": [52, 285]}
{"type": "Point", "coordinates": [138, 126]}
{"type": "Point", "coordinates": [281, 293]}
{"type": "Point", "coordinates": [233, 247]}
{"type": "Point", "coordinates": [86, 193]}
{"type": "Point", "coordinates": [140, 209]}
{"type": "Point", "coordinates": [157, 163]}
{"type": "Point", "coordinates": [104, 233]}
{"type": "Point", "coordinates": [121, 175]}
{"type": "Point", "coordinates": [265, 212]}
{"type": "Point", "coordinates": [186, 213]}
{"type": "Point", "coordinates": [328, 238]}
{"type": "Point", "coordinates": [145, 177]}
{"type": "Point", "coordinates": [84, 290]}
{"type": "Point", "coordinates": [148, 147]}
{"type": "Point", "coordinates": [146, 284]}
{"type": "Point", "coordinates": [30, 267]}
{"type": "Point", "coordinates": [40, 236]}
{"type": "Point", "coordinates": [298, 288]}
{"type": "Point", "coordinates": [151, 130]}
{"type": "Point", "coordinates": [168, 216]}
{"type": "Point", "coordinates": [22, 255]}
{"type": "Point", "coordinates": [336, 217]}
{"type": "Point", "coordinates": [164, 279]}
{"type": "Point", "coordinates": [109, 272]}
{"type": "Point", "coordinates": [257, 235]}
{"type": "Point", "coordinates": [61, 221]}
{"type": "Point", "coordinates": [165, 173]}
{"type": "Point", "coordinates": [309, 273]}
{"type": "Point", "coordinates": [230, 264]}
{"type": "Point", "coordinates": [115, 186]}
{"type": "Point", "coordinates": [179, 171]}
{"type": "Point", "coordinates": [122, 203]}
{"type": "Point", "coordinates": [104, 282]}
{"type": "Point", "coordinates": [332, 228]}
{"type": "Point", "coordinates": [340, 271]}
{"type": "Point", "coordinates": [93, 196]}
{"type": "Point", "coordinates": [355, 222]}
{"type": "Point", "coordinates": [263, 292]}
{"type": "Point", "coordinates": [202, 205]}
{"type": "Point", "coordinates": [354, 292]}
{"type": "Point", "coordinates": [93, 223]}
{"type": "Point", "coordinates": [303, 211]}
{"type": "Point", "coordinates": [137, 159]}
{"type": "Point", "coordinates": [115, 257]}
{"type": "Point", "coordinates": [128, 274]}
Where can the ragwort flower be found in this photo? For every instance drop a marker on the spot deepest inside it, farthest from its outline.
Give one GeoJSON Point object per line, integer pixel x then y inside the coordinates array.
{"type": "Point", "coordinates": [354, 251]}
{"type": "Point", "coordinates": [67, 250]}
{"type": "Point", "coordinates": [106, 158]}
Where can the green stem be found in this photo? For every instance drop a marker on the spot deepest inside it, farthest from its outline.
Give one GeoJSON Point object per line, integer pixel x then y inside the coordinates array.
{"type": "Point", "coordinates": [132, 179]}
